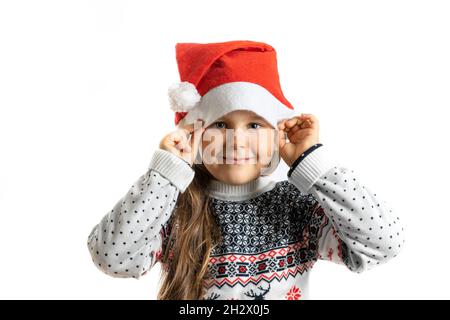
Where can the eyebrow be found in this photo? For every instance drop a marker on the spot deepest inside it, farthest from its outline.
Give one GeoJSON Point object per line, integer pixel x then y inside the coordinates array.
{"type": "Point", "coordinates": [253, 118]}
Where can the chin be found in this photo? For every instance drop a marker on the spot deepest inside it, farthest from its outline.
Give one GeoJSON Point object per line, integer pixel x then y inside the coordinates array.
{"type": "Point", "coordinates": [239, 174]}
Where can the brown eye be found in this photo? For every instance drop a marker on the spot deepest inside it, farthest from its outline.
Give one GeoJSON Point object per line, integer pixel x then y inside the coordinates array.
{"type": "Point", "coordinates": [254, 125]}
{"type": "Point", "coordinates": [219, 125]}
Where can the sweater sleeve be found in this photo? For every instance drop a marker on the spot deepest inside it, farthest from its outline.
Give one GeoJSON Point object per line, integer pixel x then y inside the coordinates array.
{"type": "Point", "coordinates": [127, 241]}
{"type": "Point", "coordinates": [359, 229]}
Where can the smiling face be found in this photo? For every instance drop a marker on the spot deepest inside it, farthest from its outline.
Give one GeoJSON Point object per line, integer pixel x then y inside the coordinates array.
{"type": "Point", "coordinates": [237, 146]}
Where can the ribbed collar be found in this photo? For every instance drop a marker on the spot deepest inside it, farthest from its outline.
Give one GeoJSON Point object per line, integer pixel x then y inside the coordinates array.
{"type": "Point", "coordinates": [220, 190]}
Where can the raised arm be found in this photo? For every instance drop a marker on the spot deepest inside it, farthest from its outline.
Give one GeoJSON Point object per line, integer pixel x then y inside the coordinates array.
{"type": "Point", "coordinates": [127, 241]}
{"type": "Point", "coordinates": [358, 228]}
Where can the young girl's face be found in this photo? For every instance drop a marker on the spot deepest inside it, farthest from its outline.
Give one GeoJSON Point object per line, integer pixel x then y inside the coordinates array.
{"type": "Point", "coordinates": [237, 146]}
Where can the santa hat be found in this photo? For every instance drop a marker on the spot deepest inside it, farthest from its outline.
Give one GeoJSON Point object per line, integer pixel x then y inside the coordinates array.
{"type": "Point", "coordinates": [217, 78]}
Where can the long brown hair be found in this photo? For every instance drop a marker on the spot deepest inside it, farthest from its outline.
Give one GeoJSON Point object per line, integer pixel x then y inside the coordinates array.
{"type": "Point", "coordinates": [193, 234]}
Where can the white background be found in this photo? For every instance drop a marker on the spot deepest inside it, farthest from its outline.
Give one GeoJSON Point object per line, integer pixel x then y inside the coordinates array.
{"type": "Point", "coordinates": [83, 105]}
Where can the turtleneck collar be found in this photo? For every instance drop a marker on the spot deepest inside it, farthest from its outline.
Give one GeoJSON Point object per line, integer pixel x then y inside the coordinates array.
{"type": "Point", "coordinates": [223, 191]}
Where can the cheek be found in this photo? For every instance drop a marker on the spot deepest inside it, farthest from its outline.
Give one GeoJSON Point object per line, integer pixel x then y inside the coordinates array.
{"type": "Point", "coordinates": [212, 141]}
{"type": "Point", "coordinates": [265, 144]}
{"type": "Point", "coordinates": [264, 147]}
{"type": "Point", "coordinates": [212, 151]}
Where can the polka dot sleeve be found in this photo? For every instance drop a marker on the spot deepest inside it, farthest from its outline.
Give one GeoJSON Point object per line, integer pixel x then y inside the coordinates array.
{"type": "Point", "coordinates": [359, 229]}
{"type": "Point", "coordinates": [128, 240]}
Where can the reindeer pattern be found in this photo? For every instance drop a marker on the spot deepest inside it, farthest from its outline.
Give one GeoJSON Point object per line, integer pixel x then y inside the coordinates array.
{"type": "Point", "coordinates": [254, 295]}
{"type": "Point", "coordinates": [258, 295]}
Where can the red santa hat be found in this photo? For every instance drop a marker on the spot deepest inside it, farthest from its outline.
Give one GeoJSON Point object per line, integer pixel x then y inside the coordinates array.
{"type": "Point", "coordinates": [217, 78]}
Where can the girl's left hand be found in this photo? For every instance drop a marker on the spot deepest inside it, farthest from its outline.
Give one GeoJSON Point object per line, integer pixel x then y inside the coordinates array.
{"type": "Point", "coordinates": [302, 132]}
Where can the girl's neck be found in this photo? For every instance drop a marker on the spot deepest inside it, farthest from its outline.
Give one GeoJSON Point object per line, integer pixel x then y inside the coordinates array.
{"type": "Point", "coordinates": [224, 191]}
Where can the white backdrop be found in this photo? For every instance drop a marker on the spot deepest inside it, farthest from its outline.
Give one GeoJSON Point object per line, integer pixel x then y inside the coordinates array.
{"type": "Point", "coordinates": [83, 105]}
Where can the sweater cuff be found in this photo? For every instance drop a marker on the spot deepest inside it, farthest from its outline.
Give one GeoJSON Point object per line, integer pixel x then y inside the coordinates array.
{"type": "Point", "coordinates": [302, 156]}
{"type": "Point", "coordinates": [173, 168]}
{"type": "Point", "coordinates": [308, 171]}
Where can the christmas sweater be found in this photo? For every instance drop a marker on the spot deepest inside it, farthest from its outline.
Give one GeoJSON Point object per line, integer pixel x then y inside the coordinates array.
{"type": "Point", "coordinates": [273, 232]}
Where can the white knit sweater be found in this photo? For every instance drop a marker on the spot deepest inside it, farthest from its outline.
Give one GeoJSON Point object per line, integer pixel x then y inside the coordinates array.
{"type": "Point", "coordinates": [272, 232]}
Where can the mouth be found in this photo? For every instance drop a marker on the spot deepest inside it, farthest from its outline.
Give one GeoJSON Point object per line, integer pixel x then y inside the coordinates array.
{"type": "Point", "coordinates": [235, 160]}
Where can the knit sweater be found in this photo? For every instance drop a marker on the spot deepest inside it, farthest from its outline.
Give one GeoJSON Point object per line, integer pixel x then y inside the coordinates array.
{"type": "Point", "coordinates": [272, 232]}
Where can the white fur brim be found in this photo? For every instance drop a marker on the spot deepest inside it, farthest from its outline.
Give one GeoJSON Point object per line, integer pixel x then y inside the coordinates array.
{"type": "Point", "coordinates": [238, 96]}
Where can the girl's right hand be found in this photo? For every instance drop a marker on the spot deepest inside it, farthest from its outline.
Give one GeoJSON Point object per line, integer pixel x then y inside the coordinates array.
{"type": "Point", "coordinates": [184, 142]}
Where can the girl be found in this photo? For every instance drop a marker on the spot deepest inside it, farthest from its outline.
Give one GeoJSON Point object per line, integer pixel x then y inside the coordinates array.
{"type": "Point", "coordinates": [206, 208]}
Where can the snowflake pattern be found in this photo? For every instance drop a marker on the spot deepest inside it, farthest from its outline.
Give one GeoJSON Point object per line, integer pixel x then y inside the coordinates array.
{"type": "Point", "coordinates": [293, 294]}
{"type": "Point", "coordinates": [278, 219]}
{"type": "Point", "coordinates": [271, 220]}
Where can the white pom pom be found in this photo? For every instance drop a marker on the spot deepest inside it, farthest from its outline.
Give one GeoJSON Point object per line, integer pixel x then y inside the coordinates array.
{"type": "Point", "coordinates": [183, 96]}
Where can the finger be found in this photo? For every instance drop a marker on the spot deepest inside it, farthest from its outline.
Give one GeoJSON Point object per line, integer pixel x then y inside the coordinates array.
{"type": "Point", "coordinates": [175, 137]}
{"type": "Point", "coordinates": [306, 124]}
{"type": "Point", "coordinates": [281, 125]}
{"type": "Point", "coordinates": [172, 149]}
{"type": "Point", "coordinates": [309, 116]}
{"type": "Point", "coordinates": [281, 139]}
{"type": "Point", "coordinates": [196, 139]}
{"type": "Point", "coordinates": [299, 135]}
{"type": "Point", "coordinates": [189, 128]}
{"type": "Point", "coordinates": [185, 148]}
{"type": "Point", "coordinates": [310, 123]}
{"type": "Point", "coordinates": [180, 140]}
{"type": "Point", "coordinates": [303, 124]}
{"type": "Point", "coordinates": [300, 123]}
{"type": "Point", "coordinates": [290, 123]}
{"type": "Point", "coordinates": [295, 128]}
{"type": "Point", "coordinates": [197, 129]}
{"type": "Point", "coordinates": [304, 121]}
{"type": "Point", "coordinates": [180, 146]}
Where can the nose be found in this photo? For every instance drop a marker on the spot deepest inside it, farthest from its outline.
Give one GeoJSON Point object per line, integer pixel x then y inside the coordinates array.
{"type": "Point", "coordinates": [240, 139]}
{"type": "Point", "coordinates": [241, 144]}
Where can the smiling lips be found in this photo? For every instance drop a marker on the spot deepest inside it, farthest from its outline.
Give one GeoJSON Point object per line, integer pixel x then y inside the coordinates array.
{"type": "Point", "coordinates": [237, 160]}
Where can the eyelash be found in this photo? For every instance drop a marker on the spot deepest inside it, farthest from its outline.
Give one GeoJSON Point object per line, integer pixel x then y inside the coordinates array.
{"type": "Point", "coordinates": [215, 123]}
